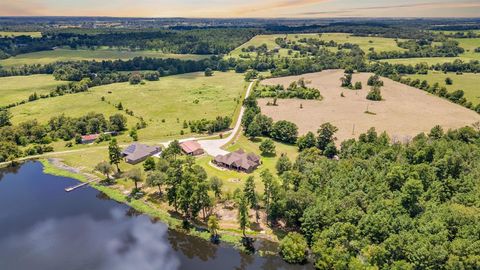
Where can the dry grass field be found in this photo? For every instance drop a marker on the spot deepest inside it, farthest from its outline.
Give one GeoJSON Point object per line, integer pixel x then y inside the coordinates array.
{"type": "Point", "coordinates": [404, 112]}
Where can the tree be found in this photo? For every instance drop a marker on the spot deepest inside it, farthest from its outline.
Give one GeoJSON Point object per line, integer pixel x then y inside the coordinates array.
{"type": "Point", "coordinates": [135, 78]}
{"type": "Point", "coordinates": [448, 81]}
{"type": "Point", "coordinates": [105, 168]}
{"type": "Point", "coordinates": [374, 94]}
{"type": "Point", "coordinates": [306, 141]}
{"type": "Point", "coordinates": [374, 80]}
{"type": "Point", "coordinates": [213, 226]}
{"type": "Point", "coordinates": [251, 74]}
{"type": "Point", "coordinates": [265, 123]}
{"type": "Point", "coordinates": [135, 175]}
{"type": "Point", "coordinates": [5, 117]}
{"type": "Point", "coordinates": [346, 80]}
{"type": "Point", "coordinates": [253, 130]}
{"type": "Point", "coordinates": [149, 164]}
{"type": "Point", "coordinates": [152, 75]}
{"type": "Point", "coordinates": [283, 164]}
{"type": "Point", "coordinates": [134, 134]}
{"type": "Point", "coordinates": [436, 133]}
{"type": "Point", "coordinates": [326, 134]}
{"type": "Point", "coordinates": [293, 248]}
{"type": "Point", "coordinates": [216, 186]}
{"type": "Point", "coordinates": [208, 72]}
{"type": "Point", "coordinates": [118, 122]}
{"type": "Point", "coordinates": [249, 193]}
{"type": "Point", "coordinates": [285, 131]}
{"type": "Point", "coordinates": [243, 214]}
{"type": "Point", "coordinates": [156, 179]}
{"type": "Point", "coordinates": [267, 147]}
{"type": "Point", "coordinates": [173, 150]}
{"type": "Point", "coordinates": [358, 85]}
{"type": "Point", "coordinates": [268, 183]}
{"type": "Point", "coordinates": [114, 153]}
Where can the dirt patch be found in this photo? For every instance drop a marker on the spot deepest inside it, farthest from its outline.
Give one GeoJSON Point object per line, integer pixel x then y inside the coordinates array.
{"type": "Point", "coordinates": [404, 112]}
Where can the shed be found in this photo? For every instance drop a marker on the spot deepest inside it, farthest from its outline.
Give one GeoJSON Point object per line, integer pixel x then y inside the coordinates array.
{"type": "Point", "coordinates": [192, 148]}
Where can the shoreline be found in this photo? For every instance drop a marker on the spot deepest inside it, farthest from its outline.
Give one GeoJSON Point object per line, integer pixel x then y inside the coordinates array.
{"type": "Point", "coordinates": [228, 237]}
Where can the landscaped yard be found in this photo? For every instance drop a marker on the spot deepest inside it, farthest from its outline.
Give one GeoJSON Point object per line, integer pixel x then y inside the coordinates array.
{"type": "Point", "coordinates": [468, 82]}
{"type": "Point", "coordinates": [17, 88]}
{"type": "Point", "coordinates": [46, 57]}
{"type": "Point", "coordinates": [164, 104]}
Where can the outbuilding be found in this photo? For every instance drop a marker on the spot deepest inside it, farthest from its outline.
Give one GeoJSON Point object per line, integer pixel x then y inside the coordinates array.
{"type": "Point", "coordinates": [192, 148]}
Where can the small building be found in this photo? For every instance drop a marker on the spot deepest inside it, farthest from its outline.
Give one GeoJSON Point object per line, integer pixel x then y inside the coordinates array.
{"type": "Point", "coordinates": [137, 152]}
{"type": "Point", "coordinates": [90, 138]}
{"type": "Point", "coordinates": [238, 160]}
{"type": "Point", "coordinates": [192, 148]}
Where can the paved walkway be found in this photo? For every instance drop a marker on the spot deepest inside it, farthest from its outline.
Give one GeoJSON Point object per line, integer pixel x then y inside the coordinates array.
{"type": "Point", "coordinates": [214, 147]}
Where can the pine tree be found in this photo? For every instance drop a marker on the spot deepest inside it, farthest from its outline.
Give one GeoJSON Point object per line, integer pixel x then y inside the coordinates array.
{"type": "Point", "coordinates": [114, 153]}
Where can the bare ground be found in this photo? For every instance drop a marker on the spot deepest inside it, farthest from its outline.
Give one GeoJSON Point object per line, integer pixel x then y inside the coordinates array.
{"type": "Point", "coordinates": [403, 113]}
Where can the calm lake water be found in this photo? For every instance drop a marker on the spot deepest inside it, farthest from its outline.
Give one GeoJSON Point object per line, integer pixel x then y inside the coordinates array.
{"type": "Point", "coordinates": [43, 227]}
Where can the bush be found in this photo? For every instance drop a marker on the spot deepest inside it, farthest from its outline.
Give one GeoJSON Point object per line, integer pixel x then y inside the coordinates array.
{"type": "Point", "coordinates": [267, 147]}
{"type": "Point", "coordinates": [208, 72]}
{"type": "Point", "coordinates": [293, 248]}
{"type": "Point", "coordinates": [135, 78]}
{"type": "Point", "coordinates": [374, 94]}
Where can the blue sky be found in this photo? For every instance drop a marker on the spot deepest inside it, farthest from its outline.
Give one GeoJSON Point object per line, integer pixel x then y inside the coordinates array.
{"type": "Point", "coordinates": [243, 8]}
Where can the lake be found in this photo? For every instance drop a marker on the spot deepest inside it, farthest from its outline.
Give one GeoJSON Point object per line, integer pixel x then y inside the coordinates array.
{"type": "Point", "coordinates": [44, 227]}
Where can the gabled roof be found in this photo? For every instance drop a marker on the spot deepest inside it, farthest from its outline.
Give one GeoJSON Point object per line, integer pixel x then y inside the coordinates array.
{"type": "Point", "coordinates": [90, 137]}
{"type": "Point", "coordinates": [190, 146]}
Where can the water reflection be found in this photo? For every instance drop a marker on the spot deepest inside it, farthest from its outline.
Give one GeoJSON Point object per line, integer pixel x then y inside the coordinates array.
{"type": "Point", "coordinates": [43, 227]}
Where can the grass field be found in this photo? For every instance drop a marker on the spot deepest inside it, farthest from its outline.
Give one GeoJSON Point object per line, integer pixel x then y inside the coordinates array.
{"type": "Point", "coordinates": [18, 88]}
{"type": "Point", "coordinates": [469, 44]}
{"type": "Point", "coordinates": [467, 82]}
{"type": "Point", "coordinates": [169, 99]}
{"type": "Point", "coordinates": [16, 34]}
{"type": "Point", "coordinates": [378, 43]}
{"type": "Point", "coordinates": [46, 57]}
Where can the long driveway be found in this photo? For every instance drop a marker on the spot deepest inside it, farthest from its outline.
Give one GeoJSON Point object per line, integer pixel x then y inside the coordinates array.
{"type": "Point", "coordinates": [214, 147]}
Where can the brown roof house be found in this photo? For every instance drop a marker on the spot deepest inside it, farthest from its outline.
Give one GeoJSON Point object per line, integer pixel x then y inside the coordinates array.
{"type": "Point", "coordinates": [137, 152]}
{"type": "Point", "coordinates": [238, 160]}
{"type": "Point", "coordinates": [191, 148]}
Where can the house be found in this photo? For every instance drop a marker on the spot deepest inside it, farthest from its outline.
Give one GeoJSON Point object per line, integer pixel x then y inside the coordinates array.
{"type": "Point", "coordinates": [137, 152]}
{"type": "Point", "coordinates": [191, 148]}
{"type": "Point", "coordinates": [238, 160]}
{"type": "Point", "coordinates": [86, 139]}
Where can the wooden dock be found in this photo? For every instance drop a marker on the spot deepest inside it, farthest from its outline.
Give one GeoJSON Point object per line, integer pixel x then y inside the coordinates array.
{"type": "Point", "coordinates": [72, 188]}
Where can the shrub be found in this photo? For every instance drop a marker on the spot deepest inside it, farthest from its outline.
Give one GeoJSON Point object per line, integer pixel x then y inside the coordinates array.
{"type": "Point", "coordinates": [374, 94]}
{"type": "Point", "coordinates": [267, 147]}
{"type": "Point", "coordinates": [135, 78]}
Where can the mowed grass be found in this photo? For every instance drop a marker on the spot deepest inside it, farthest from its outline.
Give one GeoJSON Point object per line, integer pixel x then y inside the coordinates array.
{"type": "Point", "coordinates": [468, 44]}
{"type": "Point", "coordinates": [468, 82]}
{"type": "Point", "coordinates": [232, 179]}
{"type": "Point", "coordinates": [47, 57]}
{"type": "Point", "coordinates": [378, 43]}
{"type": "Point", "coordinates": [164, 104]}
{"type": "Point", "coordinates": [16, 34]}
{"type": "Point", "coordinates": [17, 88]}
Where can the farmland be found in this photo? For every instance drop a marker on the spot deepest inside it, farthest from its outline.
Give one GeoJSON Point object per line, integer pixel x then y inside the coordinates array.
{"type": "Point", "coordinates": [16, 34]}
{"type": "Point", "coordinates": [47, 57]}
{"type": "Point", "coordinates": [18, 88]}
{"type": "Point", "coordinates": [468, 82]}
{"type": "Point", "coordinates": [404, 112]}
{"type": "Point", "coordinates": [163, 104]}
{"type": "Point", "coordinates": [365, 43]}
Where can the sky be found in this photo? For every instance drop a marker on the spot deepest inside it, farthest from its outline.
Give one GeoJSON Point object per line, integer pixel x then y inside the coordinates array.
{"type": "Point", "coordinates": [242, 8]}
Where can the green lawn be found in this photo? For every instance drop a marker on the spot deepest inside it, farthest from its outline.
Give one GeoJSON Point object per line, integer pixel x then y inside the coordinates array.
{"type": "Point", "coordinates": [16, 34]}
{"type": "Point", "coordinates": [171, 98]}
{"type": "Point", "coordinates": [468, 82]}
{"type": "Point", "coordinates": [378, 43]}
{"type": "Point", "coordinates": [18, 88]}
{"type": "Point", "coordinates": [46, 57]}
{"type": "Point", "coordinates": [233, 179]}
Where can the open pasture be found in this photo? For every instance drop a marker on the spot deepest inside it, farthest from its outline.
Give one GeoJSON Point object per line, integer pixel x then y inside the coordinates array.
{"type": "Point", "coordinates": [16, 34]}
{"type": "Point", "coordinates": [163, 104]}
{"type": "Point", "coordinates": [47, 57]}
{"type": "Point", "coordinates": [468, 82]}
{"type": "Point", "coordinates": [18, 88]}
{"type": "Point", "coordinates": [404, 112]}
{"type": "Point", "coordinates": [365, 43]}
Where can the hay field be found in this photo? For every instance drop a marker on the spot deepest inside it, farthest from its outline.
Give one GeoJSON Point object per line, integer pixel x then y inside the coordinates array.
{"type": "Point", "coordinates": [404, 112]}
